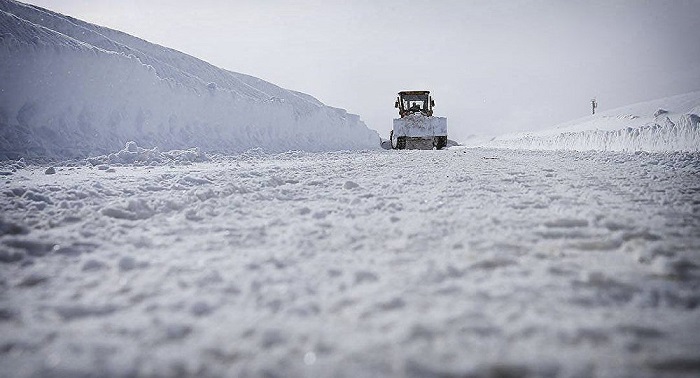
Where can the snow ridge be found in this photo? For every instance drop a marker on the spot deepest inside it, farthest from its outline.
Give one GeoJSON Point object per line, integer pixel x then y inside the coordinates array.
{"type": "Point", "coordinates": [72, 89]}
{"type": "Point", "coordinates": [668, 124]}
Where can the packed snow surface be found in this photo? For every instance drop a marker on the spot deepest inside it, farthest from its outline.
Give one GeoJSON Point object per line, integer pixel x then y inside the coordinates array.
{"type": "Point", "coordinates": [73, 89]}
{"type": "Point", "coordinates": [668, 124]}
{"type": "Point", "coordinates": [464, 262]}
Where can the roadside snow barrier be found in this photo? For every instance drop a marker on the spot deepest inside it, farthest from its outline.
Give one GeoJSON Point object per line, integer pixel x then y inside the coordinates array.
{"type": "Point", "coordinates": [663, 131]}
{"type": "Point", "coordinates": [684, 136]}
{"type": "Point", "coordinates": [73, 90]}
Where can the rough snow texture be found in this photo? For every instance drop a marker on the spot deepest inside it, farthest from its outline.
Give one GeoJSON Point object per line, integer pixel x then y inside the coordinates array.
{"type": "Point", "coordinates": [133, 154]}
{"type": "Point", "coordinates": [418, 125]}
{"type": "Point", "coordinates": [73, 89]}
{"type": "Point", "coordinates": [456, 263]}
{"type": "Point", "coordinates": [669, 124]}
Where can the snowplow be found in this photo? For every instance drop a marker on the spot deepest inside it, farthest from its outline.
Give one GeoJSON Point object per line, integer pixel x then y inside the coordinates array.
{"type": "Point", "coordinates": [417, 128]}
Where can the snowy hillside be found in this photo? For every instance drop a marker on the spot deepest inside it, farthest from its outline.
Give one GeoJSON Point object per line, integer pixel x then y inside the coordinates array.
{"type": "Point", "coordinates": [668, 124]}
{"type": "Point", "coordinates": [73, 89]}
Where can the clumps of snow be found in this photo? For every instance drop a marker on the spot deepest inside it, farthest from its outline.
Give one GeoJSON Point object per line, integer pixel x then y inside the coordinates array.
{"type": "Point", "coordinates": [10, 167]}
{"type": "Point", "coordinates": [131, 209]}
{"type": "Point", "coordinates": [34, 279]}
{"type": "Point", "coordinates": [93, 265]}
{"type": "Point", "coordinates": [78, 311]}
{"type": "Point", "coordinates": [201, 308]}
{"type": "Point", "coordinates": [660, 112]}
{"type": "Point", "coordinates": [35, 248]}
{"type": "Point", "coordinates": [640, 127]}
{"type": "Point", "coordinates": [132, 154]}
{"type": "Point", "coordinates": [417, 262]}
{"type": "Point", "coordinates": [128, 263]}
{"type": "Point", "coordinates": [9, 228]}
{"type": "Point", "coordinates": [10, 256]}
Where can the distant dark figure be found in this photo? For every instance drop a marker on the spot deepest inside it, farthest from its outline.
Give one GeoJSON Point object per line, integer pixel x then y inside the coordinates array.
{"type": "Point", "coordinates": [594, 105]}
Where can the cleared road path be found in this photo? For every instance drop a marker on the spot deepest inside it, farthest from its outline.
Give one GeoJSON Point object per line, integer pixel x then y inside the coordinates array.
{"type": "Point", "coordinates": [464, 262]}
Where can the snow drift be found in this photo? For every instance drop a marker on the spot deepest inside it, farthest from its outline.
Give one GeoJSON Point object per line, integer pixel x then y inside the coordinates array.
{"type": "Point", "coordinates": [668, 124]}
{"type": "Point", "coordinates": [73, 89]}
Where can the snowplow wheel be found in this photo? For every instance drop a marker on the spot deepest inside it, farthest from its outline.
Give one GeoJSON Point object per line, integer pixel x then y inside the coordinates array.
{"type": "Point", "coordinates": [401, 143]}
{"type": "Point", "coordinates": [440, 142]}
{"type": "Point", "coordinates": [391, 140]}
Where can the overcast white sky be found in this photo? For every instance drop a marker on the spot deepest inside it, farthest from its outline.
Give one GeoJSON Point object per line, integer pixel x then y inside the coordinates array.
{"type": "Point", "coordinates": [493, 66]}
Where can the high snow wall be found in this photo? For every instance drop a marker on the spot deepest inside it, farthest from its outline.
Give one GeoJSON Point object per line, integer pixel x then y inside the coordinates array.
{"type": "Point", "coordinates": [72, 89]}
{"type": "Point", "coordinates": [668, 124]}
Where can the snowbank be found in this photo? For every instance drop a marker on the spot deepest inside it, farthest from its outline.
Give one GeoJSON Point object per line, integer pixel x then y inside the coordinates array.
{"type": "Point", "coordinates": [668, 124]}
{"type": "Point", "coordinates": [73, 89]}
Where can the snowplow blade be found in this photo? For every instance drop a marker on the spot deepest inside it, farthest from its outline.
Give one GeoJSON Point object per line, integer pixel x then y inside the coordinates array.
{"type": "Point", "coordinates": [420, 132]}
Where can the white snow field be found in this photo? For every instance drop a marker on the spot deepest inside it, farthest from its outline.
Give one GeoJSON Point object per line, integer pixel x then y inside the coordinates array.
{"type": "Point", "coordinates": [454, 263]}
{"type": "Point", "coordinates": [174, 236]}
{"type": "Point", "coordinates": [73, 89]}
{"type": "Point", "coordinates": [667, 124]}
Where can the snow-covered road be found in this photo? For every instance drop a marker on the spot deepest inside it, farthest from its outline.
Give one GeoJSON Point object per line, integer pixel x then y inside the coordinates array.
{"type": "Point", "coordinates": [464, 262]}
